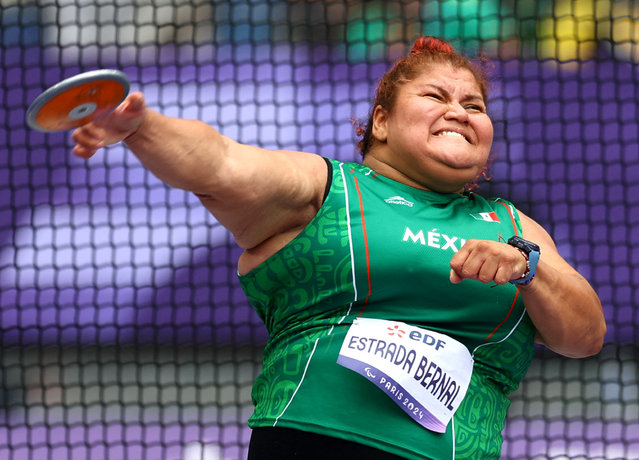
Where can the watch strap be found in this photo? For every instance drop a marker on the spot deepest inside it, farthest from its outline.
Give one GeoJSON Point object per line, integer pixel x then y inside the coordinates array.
{"type": "Point", "coordinates": [532, 259]}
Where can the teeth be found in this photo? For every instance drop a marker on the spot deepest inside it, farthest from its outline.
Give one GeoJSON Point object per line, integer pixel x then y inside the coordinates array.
{"type": "Point", "coordinates": [450, 133]}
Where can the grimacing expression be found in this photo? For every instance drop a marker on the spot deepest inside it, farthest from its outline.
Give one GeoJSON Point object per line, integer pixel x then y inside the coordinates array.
{"type": "Point", "coordinates": [438, 134]}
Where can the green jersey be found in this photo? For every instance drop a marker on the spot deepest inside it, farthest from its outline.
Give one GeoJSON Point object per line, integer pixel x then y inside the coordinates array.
{"type": "Point", "coordinates": [381, 249]}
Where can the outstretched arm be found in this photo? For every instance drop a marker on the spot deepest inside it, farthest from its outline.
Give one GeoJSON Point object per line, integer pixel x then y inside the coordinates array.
{"type": "Point", "coordinates": [563, 306]}
{"type": "Point", "coordinates": [255, 193]}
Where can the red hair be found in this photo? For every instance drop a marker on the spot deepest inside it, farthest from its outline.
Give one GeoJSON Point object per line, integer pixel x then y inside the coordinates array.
{"type": "Point", "coordinates": [431, 44]}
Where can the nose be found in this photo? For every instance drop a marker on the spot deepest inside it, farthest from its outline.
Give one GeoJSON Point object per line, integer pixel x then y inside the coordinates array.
{"type": "Point", "coordinates": [456, 112]}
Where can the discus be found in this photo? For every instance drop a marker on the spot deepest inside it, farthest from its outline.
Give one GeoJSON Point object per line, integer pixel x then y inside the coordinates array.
{"type": "Point", "coordinates": [78, 100]}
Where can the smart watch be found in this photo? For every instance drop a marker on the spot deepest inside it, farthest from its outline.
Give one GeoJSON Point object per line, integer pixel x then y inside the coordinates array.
{"type": "Point", "coordinates": [531, 252]}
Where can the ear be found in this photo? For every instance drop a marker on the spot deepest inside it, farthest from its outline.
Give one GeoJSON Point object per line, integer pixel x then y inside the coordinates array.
{"type": "Point", "coordinates": [380, 120]}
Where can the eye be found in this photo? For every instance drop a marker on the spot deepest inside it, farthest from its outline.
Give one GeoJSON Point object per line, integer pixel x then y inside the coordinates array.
{"type": "Point", "coordinates": [475, 108]}
{"type": "Point", "coordinates": [436, 96]}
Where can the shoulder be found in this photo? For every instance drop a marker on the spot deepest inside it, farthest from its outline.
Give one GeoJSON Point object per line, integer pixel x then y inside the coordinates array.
{"type": "Point", "coordinates": [533, 231]}
{"type": "Point", "coordinates": [526, 226]}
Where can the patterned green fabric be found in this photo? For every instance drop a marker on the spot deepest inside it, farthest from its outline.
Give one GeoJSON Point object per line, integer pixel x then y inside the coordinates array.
{"type": "Point", "coordinates": [382, 249]}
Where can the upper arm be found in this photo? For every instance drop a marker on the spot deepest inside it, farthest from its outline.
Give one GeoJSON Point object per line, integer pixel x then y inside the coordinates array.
{"type": "Point", "coordinates": [255, 193]}
{"type": "Point", "coordinates": [262, 193]}
{"type": "Point", "coordinates": [565, 308]}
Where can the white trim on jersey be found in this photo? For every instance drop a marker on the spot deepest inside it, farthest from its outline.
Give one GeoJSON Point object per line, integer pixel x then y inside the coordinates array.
{"type": "Point", "coordinates": [300, 382]}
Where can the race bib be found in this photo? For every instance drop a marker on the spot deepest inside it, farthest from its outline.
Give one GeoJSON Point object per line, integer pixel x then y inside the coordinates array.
{"type": "Point", "coordinates": [426, 373]}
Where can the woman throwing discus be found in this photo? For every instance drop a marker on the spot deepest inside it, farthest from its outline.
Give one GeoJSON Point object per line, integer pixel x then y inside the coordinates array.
{"type": "Point", "coordinates": [402, 308]}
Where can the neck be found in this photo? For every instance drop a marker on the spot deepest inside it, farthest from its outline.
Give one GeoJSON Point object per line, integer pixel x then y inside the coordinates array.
{"type": "Point", "coordinates": [387, 170]}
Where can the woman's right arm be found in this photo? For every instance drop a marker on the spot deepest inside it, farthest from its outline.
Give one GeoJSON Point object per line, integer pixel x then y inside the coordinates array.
{"type": "Point", "coordinates": [255, 193]}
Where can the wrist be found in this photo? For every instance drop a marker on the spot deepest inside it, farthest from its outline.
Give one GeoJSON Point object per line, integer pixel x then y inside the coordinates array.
{"type": "Point", "coordinates": [530, 251]}
{"type": "Point", "coordinates": [136, 133]}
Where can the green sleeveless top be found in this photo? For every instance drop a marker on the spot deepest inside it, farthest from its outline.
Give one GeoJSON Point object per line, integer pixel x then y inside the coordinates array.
{"type": "Point", "coordinates": [381, 249]}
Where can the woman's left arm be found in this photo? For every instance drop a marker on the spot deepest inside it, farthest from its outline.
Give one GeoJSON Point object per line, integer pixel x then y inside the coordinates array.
{"type": "Point", "coordinates": [561, 303]}
{"type": "Point", "coordinates": [563, 306]}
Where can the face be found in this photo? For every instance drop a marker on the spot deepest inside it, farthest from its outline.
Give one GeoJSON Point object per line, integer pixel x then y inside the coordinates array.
{"type": "Point", "coordinates": [438, 136]}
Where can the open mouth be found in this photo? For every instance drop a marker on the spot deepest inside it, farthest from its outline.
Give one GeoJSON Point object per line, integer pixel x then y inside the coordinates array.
{"type": "Point", "coordinates": [452, 133]}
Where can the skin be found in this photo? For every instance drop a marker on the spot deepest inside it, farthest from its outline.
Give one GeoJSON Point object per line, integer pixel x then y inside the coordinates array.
{"type": "Point", "coordinates": [266, 197]}
{"type": "Point", "coordinates": [412, 145]}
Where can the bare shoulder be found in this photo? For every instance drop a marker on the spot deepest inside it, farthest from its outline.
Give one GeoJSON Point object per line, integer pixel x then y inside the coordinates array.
{"type": "Point", "coordinates": [534, 232]}
{"type": "Point", "coordinates": [278, 221]}
{"type": "Point", "coordinates": [282, 179]}
{"type": "Point", "coordinates": [256, 171]}
{"type": "Point", "coordinates": [267, 192]}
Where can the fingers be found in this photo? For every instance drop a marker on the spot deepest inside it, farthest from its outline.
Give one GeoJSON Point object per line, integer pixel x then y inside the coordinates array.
{"type": "Point", "coordinates": [88, 139]}
{"type": "Point", "coordinates": [129, 111]}
{"type": "Point", "coordinates": [486, 261]}
{"type": "Point", "coordinates": [113, 128]}
{"type": "Point", "coordinates": [454, 277]}
{"type": "Point", "coordinates": [135, 103]}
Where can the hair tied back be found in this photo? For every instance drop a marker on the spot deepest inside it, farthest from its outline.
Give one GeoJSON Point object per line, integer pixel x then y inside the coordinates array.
{"type": "Point", "coordinates": [431, 45]}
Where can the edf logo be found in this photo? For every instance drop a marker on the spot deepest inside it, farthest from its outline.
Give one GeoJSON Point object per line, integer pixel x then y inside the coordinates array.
{"type": "Point", "coordinates": [396, 330]}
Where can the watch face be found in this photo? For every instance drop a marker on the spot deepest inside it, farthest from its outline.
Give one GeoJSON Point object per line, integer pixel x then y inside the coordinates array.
{"type": "Point", "coordinates": [523, 244]}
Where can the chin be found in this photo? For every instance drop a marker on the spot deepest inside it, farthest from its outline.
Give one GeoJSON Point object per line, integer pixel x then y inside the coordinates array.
{"type": "Point", "coordinates": [461, 161]}
{"type": "Point", "coordinates": [463, 164]}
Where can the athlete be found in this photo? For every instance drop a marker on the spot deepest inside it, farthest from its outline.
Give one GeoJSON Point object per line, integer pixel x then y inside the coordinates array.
{"type": "Point", "coordinates": [401, 307]}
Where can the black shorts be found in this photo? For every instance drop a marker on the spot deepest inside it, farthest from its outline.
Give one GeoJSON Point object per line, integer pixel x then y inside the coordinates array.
{"type": "Point", "coordinates": [286, 443]}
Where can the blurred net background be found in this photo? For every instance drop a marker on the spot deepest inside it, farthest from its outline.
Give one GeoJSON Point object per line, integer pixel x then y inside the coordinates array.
{"type": "Point", "coordinates": [123, 332]}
